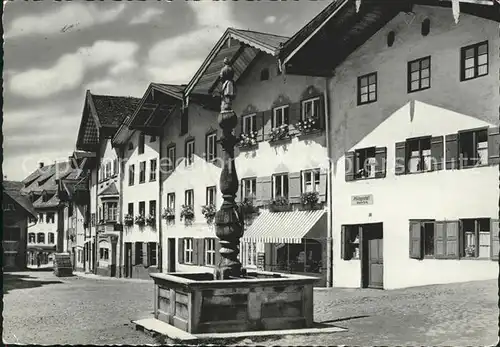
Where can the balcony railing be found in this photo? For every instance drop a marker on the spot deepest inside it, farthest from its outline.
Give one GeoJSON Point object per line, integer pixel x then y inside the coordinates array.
{"type": "Point", "coordinates": [10, 246]}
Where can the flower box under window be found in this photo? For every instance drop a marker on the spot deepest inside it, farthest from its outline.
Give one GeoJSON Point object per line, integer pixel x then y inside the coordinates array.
{"type": "Point", "coordinates": [279, 133]}
{"type": "Point", "coordinates": [248, 140]}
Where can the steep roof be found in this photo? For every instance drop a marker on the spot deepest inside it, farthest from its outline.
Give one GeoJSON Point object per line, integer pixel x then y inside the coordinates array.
{"type": "Point", "coordinates": [52, 202]}
{"type": "Point", "coordinates": [174, 89]}
{"type": "Point", "coordinates": [47, 178]}
{"type": "Point", "coordinates": [13, 190]}
{"type": "Point", "coordinates": [112, 110]}
{"type": "Point", "coordinates": [110, 190]}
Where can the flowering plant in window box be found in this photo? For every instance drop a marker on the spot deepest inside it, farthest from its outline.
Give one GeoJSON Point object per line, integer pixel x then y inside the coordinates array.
{"type": "Point", "coordinates": [307, 125]}
{"type": "Point", "coordinates": [168, 214]}
{"type": "Point", "coordinates": [279, 132]}
{"type": "Point", "coordinates": [128, 220]}
{"type": "Point", "coordinates": [247, 208]}
{"type": "Point", "coordinates": [140, 220]}
{"type": "Point", "coordinates": [208, 212]}
{"type": "Point", "coordinates": [248, 139]}
{"type": "Point", "coordinates": [187, 214]}
{"type": "Point", "coordinates": [150, 220]}
{"type": "Point", "coordinates": [309, 198]}
{"type": "Point", "coordinates": [280, 204]}
{"type": "Point", "coordinates": [470, 251]}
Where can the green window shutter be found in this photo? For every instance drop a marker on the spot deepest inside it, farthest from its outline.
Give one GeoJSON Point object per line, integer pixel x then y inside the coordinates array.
{"type": "Point", "coordinates": [400, 158]}
{"type": "Point", "coordinates": [294, 114]}
{"type": "Point", "coordinates": [381, 161]}
{"type": "Point", "coordinates": [200, 248]}
{"type": "Point", "coordinates": [452, 239]}
{"type": "Point", "coordinates": [145, 254]}
{"type": "Point", "coordinates": [323, 185]}
{"type": "Point", "coordinates": [267, 121]}
{"type": "Point", "coordinates": [264, 190]}
{"type": "Point", "coordinates": [439, 240]}
{"type": "Point", "coordinates": [259, 125]}
{"type": "Point", "coordinates": [180, 251]}
{"type": "Point", "coordinates": [437, 150]}
{"type": "Point", "coordinates": [451, 151]}
{"type": "Point", "coordinates": [416, 249]}
{"type": "Point", "coordinates": [493, 146]}
{"type": "Point", "coordinates": [349, 166]}
{"type": "Point", "coordinates": [294, 187]}
{"type": "Point", "coordinates": [495, 239]}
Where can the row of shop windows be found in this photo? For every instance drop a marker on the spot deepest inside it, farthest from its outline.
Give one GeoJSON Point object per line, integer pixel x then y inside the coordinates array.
{"type": "Point", "coordinates": [40, 238]}
{"type": "Point", "coordinates": [467, 148]}
{"type": "Point", "coordinates": [153, 166]}
{"type": "Point", "coordinates": [473, 64]}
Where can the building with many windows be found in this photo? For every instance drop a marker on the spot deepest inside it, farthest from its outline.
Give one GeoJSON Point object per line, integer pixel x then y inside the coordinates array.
{"type": "Point", "coordinates": [101, 117]}
{"type": "Point", "coordinates": [413, 105]}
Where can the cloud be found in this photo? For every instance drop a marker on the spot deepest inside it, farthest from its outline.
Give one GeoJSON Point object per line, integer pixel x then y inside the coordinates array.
{"type": "Point", "coordinates": [270, 19]}
{"type": "Point", "coordinates": [146, 16]}
{"type": "Point", "coordinates": [123, 67]}
{"type": "Point", "coordinates": [66, 15]}
{"type": "Point", "coordinates": [69, 70]}
{"type": "Point", "coordinates": [213, 13]}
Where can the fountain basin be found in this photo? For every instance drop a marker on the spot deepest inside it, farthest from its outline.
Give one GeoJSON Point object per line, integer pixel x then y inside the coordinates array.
{"type": "Point", "coordinates": [196, 303]}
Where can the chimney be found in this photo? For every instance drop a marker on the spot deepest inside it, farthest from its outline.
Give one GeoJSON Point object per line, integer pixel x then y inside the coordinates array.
{"type": "Point", "coordinates": [40, 165]}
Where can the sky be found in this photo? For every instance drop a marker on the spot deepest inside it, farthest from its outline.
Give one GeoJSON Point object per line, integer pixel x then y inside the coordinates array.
{"type": "Point", "coordinates": [55, 51]}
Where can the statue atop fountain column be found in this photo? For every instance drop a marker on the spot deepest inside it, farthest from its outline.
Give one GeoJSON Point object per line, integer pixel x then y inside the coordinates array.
{"type": "Point", "coordinates": [228, 222]}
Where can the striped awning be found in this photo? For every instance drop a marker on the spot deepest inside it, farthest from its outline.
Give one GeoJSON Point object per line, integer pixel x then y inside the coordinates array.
{"type": "Point", "coordinates": [286, 227]}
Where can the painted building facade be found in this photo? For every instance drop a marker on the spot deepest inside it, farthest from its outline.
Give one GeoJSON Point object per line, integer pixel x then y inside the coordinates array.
{"type": "Point", "coordinates": [415, 143]}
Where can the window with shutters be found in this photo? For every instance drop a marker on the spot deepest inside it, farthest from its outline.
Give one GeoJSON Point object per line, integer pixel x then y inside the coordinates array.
{"type": "Point", "coordinates": [52, 238]}
{"type": "Point", "coordinates": [210, 251]}
{"type": "Point", "coordinates": [171, 201]}
{"type": "Point", "coordinates": [474, 61]}
{"type": "Point", "coordinates": [31, 238]}
{"type": "Point", "coordinates": [171, 158]}
{"type": "Point", "coordinates": [50, 217]}
{"type": "Point", "coordinates": [311, 181]}
{"type": "Point", "coordinates": [131, 208]}
{"type": "Point", "coordinates": [473, 148]}
{"type": "Point", "coordinates": [189, 152]}
{"type": "Point", "coordinates": [476, 238]}
{"type": "Point", "coordinates": [211, 146]}
{"type": "Point", "coordinates": [40, 218]}
{"type": "Point", "coordinates": [248, 188]}
{"type": "Point", "coordinates": [188, 250]}
{"type": "Point", "coordinates": [280, 116]}
{"type": "Point", "coordinates": [189, 197]}
{"type": "Point", "coordinates": [364, 163]}
{"type": "Point", "coordinates": [280, 186]}
{"type": "Point", "coordinates": [419, 74]}
{"type": "Point", "coordinates": [367, 88]}
{"type": "Point", "coordinates": [418, 155]}
{"type": "Point", "coordinates": [249, 123]}
{"type": "Point", "coordinates": [152, 208]}
{"type": "Point", "coordinates": [138, 253]}
{"type": "Point", "coordinates": [152, 170]}
{"type": "Point", "coordinates": [152, 253]}
{"type": "Point", "coordinates": [211, 195]}
{"type": "Point", "coordinates": [111, 211]}
{"type": "Point", "coordinates": [142, 172]}
{"type": "Point", "coordinates": [350, 242]}
{"type": "Point", "coordinates": [141, 143]}
{"type": "Point", "coordinates": [310, 108]}
{"type": "Point", "coordinates": [131, 172]}
{"type": "Point", "coordinates": [40, 238]}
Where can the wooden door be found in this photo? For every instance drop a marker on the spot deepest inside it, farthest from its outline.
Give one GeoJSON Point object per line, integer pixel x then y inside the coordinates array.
{"type": "Point", "coordinates": [171, 255]}
{"type": "Point", "coordinates": [374, 255]}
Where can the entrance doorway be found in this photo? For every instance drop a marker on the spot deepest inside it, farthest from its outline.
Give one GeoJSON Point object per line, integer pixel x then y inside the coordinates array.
{"type": "Point", "coordinates": [372, 256]}
{"type": "Point", "coordinates": [171, 255]}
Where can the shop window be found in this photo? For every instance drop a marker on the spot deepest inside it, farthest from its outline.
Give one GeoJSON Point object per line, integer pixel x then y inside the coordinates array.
{"type": "Point", "coordinates": [249, 254]}
{"type": "Point", "coordinates": [210, 252]}
{"type": "Point", "coordinates": [473, 148]}
{"type": "Point", "coordinates": [248, 188]}
{"type": "Point", "coordinates": [350, 242]}
{"type": "Point", "coordinates": [153, 261]}
{"type": "Point", "coordinates": [188, 250]}
{"type": "Point", "coordinates": [152, 170]}
{"type": "Point", "coordinates": [142, 172]}
{"type": "Point", "coordinates": [280, 186]}
{"type": "Point", "coordinates": [474, 61]}
{"type": "Point", "coordinates": [310, 181]}
{"type": "Point", "coordinates": [131, 172]}
{"type": "Point", "coordinates": [367, 88]}
{"type": "Point", "coordinates": [419, 74]}
{"type": "Point", "coordinates": [51, 238]}
{"type": "Point", "coordinates": [211, 195]}
{"type": "Point", "coordinates": [50, 217]}
{"type": "Point", "coordinates": [141, 143]}
{"type": "Point", "coordinates": [304, 257]}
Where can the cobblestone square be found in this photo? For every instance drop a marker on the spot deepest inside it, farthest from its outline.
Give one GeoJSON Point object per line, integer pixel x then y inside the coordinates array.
{"type": "Point", "coordinates": [40, 308]}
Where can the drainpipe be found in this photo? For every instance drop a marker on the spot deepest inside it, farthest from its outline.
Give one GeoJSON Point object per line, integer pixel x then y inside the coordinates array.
{"type": "Point", "coordinates": [159, 255]}
{"type": "Point", "coordinates": [329, 239]}
{"type": "Point", "coordinates": [121, 155]}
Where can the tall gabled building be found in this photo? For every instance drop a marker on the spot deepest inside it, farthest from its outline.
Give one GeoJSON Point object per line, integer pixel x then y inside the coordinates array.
{"type": "Point", "coordinates": [413, 103]}
{"type": "Point", "coordinates": [101, 117]}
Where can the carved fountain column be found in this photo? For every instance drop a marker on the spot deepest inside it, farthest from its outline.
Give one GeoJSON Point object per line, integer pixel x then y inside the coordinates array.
{"type": "Point", "coordinates": [228, 221]}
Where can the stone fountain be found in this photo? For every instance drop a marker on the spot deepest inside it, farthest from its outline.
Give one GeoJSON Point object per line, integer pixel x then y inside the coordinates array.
{"type": "Point", "coordinates": [232, 299]}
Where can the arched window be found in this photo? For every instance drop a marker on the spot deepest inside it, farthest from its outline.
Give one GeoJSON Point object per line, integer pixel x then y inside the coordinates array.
{"type": "Point", "coordinates": [40, 238]}
{"type": "Point", "coordinates": [51, 238]}
{"type": "Point", "coordinates": [31, 238]}
{"type": "Point", "coordinates": [264, 74]}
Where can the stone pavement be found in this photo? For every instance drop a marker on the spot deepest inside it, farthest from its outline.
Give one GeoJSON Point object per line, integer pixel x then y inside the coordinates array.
{"type": "Point", "coordinates": [40, 308]}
